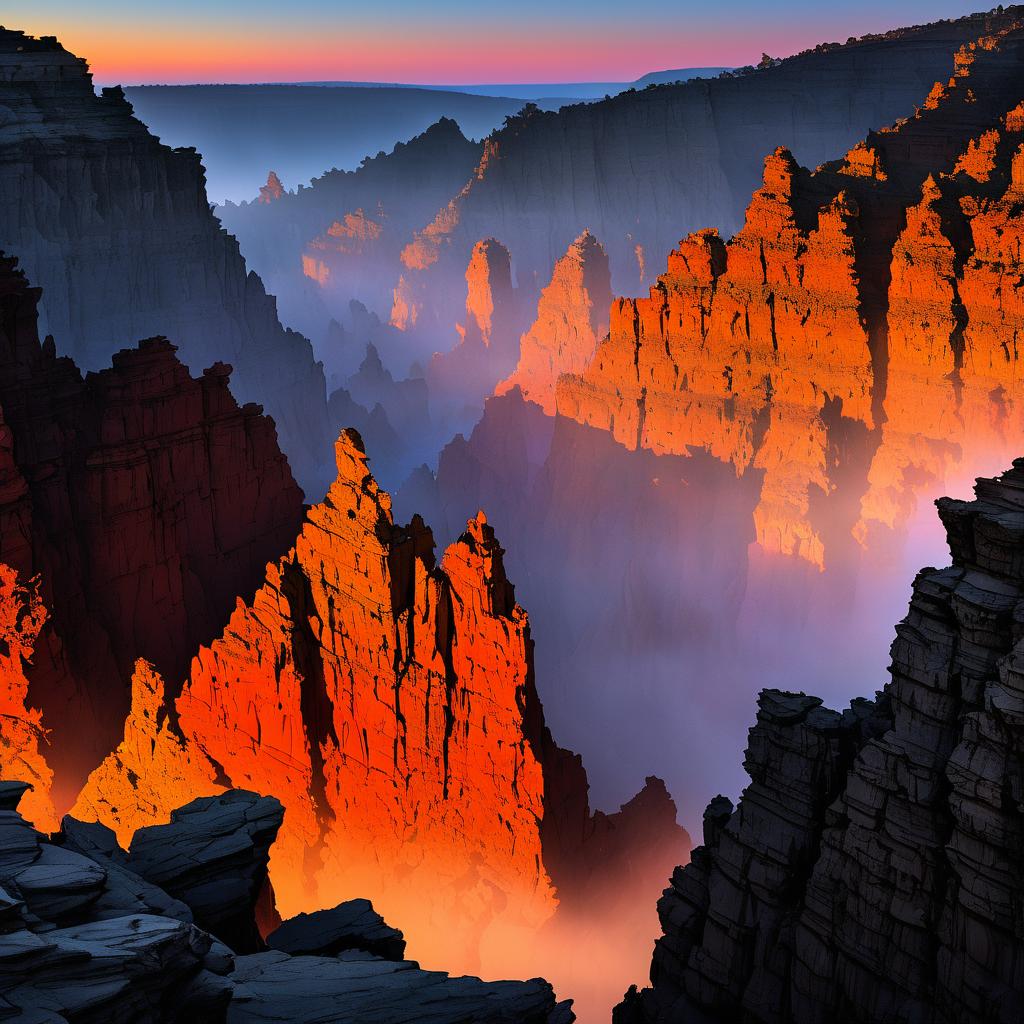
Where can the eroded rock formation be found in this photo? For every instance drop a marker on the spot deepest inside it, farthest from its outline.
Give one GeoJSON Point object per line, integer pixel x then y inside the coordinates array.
{"type": "Point", "coordinates": [138, 503]}
{"type": "Point", "coordinates": [461, 378]}
{"type": "Point", "coordinates": [572, 318]}
{"type": "Point", "coordinates": [339, 239]}
{"type": "Point", "coordinates": [831, 327]}
{"type": "Point", "coordinates": [390, 703]}
{"type": "Point", "coordinates": [643, 167]}
{"type": "Point", "coordinates": [871, 868]}
{"type": "Point", "coordinates": [117, 230]}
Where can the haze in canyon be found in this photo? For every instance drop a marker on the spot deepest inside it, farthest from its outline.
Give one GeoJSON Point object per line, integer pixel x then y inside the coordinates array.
{"type": "Point", "coordinates": [424, 490]}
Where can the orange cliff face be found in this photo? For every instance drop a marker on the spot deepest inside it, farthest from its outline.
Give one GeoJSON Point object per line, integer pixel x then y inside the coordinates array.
{"type": "Point", "coordinates": [846, 317]}
{"type": "Point", "coordinates": [572, 318]}
{"type": "Point", "coordinates": [751, 351]}
{"type": "Point", "coordinates": [389, 704]}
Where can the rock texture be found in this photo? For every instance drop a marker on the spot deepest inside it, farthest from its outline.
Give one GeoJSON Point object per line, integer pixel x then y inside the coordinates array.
{"type": "Point", "coordinates": [832, 325]}
{"type": "Point", "coordinates": [351, 925]}
{"type": "Point", "coordinates": [117, 231]}
{"type": "Point", "coordinates": [213, 857]}
{"type": "Point", "coordinates": [572, 319]}
{"type": "Point", "coordinates": [390, 702]}
{"type": "Point", "coordinates": [136, 504]}
{"type": "Point", "coordinates": [460, 379]}
{"type": "Point", "coordinates": [85, 938]}
{"type": "Point", "coordinates": [871, 868]}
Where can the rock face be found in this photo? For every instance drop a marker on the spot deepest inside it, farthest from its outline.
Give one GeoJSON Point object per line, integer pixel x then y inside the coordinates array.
{"type": "Point", "coordinates": [390, 702]}
{"type": "Point", "coordinates": [86, 938]}
{"type": "Point", "coordinates": [117, 231]}
{"type": "Point", "coordinates": [572, 318]}
{"type": "Point", "coordinates": [870, 869]}
{"type": "Point", "coordinates": [136, 504]}
{"type": "Point", "coordinates": [738, 469]}
{"type": "Point", "coordinates": [459, 380]}
{"type": "Point", "coordinates": [774, 350]}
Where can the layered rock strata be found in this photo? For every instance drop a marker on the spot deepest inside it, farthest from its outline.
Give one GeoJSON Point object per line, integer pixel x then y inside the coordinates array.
{"type": "Point", "coordinates": [869, 871]}
{"type": "Point", "coordinates": [642, 167]}
{"type": "Point", "coordinates": [835, 309]}
{"type": "Point", "coordinates": [117, 230]}
{"type": "Point", "coordinates": [136, 505]}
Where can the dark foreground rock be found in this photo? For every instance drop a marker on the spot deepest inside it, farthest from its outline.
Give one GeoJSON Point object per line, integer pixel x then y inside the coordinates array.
{"type": "Point", "coordinates": [872, 870]}
{"type": "Point", "coordinates": [85, 938]}
{"type": "Point", "coordinates": [352, 925]}
{"type": "Point", "coordinates": [213, 856]}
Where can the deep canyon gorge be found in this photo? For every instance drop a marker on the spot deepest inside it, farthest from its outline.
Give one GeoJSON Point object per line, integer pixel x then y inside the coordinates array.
{"type": "Point", "coordinates": [444, 525]}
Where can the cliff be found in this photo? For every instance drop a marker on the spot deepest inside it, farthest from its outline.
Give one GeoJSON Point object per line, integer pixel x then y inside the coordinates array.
{"type": "Point", "coordinates": [339, 238]}
{"type": "Point", "coordinates": [390, 703]}
{"type": "Point", "coordinates": [832, 322]}
{"type": "Point", "coordinates": [739, 468]}
{"type": "Point", "coordinates": [117, 230]}
{"type": "Point", "coordinates": [869, 871]}
{"type": "Point", "coordinates": [136, 504]}
{"type": "Point", "coordinates": [462, 377]}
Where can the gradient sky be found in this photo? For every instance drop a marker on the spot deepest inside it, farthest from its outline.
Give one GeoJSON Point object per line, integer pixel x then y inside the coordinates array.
{"type": "Point", "coordinates": [444, 41]}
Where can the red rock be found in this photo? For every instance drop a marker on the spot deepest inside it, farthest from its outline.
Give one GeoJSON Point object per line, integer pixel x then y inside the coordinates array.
{"type": "Point", "coordinates": [144, 500]}
{"type": "Point", "coordinates": [389, 703]}
{"type": "Point", "coordinates": [272, 190]}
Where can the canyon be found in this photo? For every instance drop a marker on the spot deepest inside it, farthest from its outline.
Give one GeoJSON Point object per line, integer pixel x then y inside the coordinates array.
{"type": "Point", "coordinates": [746, 458]}
{"type": "Point", "coordinates": [162, 580]}
{"type": "Point", "coordinates": [715, 489]}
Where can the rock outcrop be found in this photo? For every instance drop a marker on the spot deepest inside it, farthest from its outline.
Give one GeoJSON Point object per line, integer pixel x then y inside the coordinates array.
{"type": "Point", "coordinates": [776, 349]}
{"type": "Point", "coordinates": [460, 380]}
{"type": "Point", "coordinates": [79, 944]}
{"type": "Point", "coordinates": [272, 190]}
{"type": "Point", "coordinates": [738, 469]}
{"type": "Point", "coordinates": [572, 319]}
{"type": "Point", "coordinates": [136, 505]}
{"type": "Point", "coordinates": [390, 703]}
{"type": "Point", "coordinates": [213, 857]}
{"type": "Point", "coordinates": [351, 925]}
{"type": "Point", "coordinates": [871, 869]}
{"type": "Point", "coordinates": [117, 230]}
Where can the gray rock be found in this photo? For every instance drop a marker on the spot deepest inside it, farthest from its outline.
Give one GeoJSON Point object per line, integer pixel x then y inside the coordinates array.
{"type": "Point", "coordinates": [361, 989]}
{"type": "Point", "coordinates": [350, 925]}
{"type": "Point", "coordinates": [213, 857]}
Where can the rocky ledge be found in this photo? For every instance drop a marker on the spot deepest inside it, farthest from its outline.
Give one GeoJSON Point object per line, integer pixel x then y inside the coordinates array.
{"type": "Point", "coordinates": [87, 935]}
